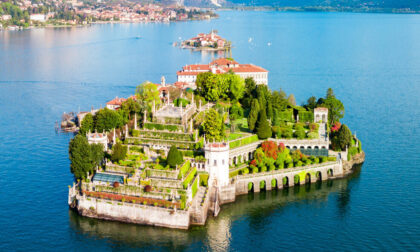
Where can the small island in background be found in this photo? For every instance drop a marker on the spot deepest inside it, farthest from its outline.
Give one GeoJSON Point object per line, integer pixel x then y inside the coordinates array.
{"type": "Point", "coordinates": [172, 154]}
{"type": "Point", "coordinates": [208, 42]}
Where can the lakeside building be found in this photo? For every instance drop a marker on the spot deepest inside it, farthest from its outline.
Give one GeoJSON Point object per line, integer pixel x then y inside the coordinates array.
{"type": "Point", "coordinates": [189, 73]}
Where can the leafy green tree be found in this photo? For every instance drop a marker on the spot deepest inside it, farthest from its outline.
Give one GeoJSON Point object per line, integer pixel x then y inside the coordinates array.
{"type": "Point", "coordinates": [263, 126]}
{"type": "Point", "coordinates": [311, 103]}
{"type": "Point", "coordinates": [300, 132]}
{"type": "Point", "coordinates": [236, 111]}
{"type": "Point", "coordinates": [107, 119]}
{"type": "Point", "coordinates": [335, 109]}
{"type": "Point", "coordinates": [87, 124]}
{"type": "Point", "coordinates": [237, 87]}
{"type": "Point", "coordinates": [250, 92]}
{"type": "Point", "coordinates": [80, 157]}
{"type": "Point", "coordinates": [279, 100]}
{"type": "Point", "coordinates": [119, 152]}
{"type": "Point", "coordinates": [148, 92]}
{"type": "Point", "coordinates": [253, 114]}
{"type": "Point", "coordinates": [96, 154]}
{"type": "Point", "coordinates": [342, 138]}
{"type": "Point", "coordinates": [213, 126]}
{"type": "Point", "coordinates": [131, 107]}
{"type": "Point", "coordinates": [174, 157]}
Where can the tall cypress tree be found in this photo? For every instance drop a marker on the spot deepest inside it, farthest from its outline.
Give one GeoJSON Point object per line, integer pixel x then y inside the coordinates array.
{"type": "Point", "coordinates": [253, 114]}
{"type": "Point", "coordinates": [263, 127]}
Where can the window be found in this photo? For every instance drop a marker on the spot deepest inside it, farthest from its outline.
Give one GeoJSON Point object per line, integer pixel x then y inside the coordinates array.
{"type": "Point", "coordinates": [223, 161]}
{"type": "Point", "coordinates": [215, 162]}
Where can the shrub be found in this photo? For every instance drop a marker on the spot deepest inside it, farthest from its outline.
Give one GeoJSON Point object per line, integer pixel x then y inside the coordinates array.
{"type": "Point", "coordinates": [359, 149]}
{"type": "Point", "coordinates": [332, 158]}
{"type": "Point", "coordinates": [254, 169]}
{"type": "Point", "coordinates": [204, 178]}
{"type": "Point", "coordinates": [174, 157]}
{"type": "Point", "coordinates": [270, 149]}
{"type": "Point", "coordinates": [263, 127]}
{"type": "Point", "coordinates": [273, 183]}
{"type": "Point", "coordinates": [316, 160]}
{"type": "Point", "coordinates": [286, 132]}
{"type": "Point", "coordinates": [313, 135]}
{"type": "Point", "coordinates": [299, 163]}
{"type": "Point", "coordinates": [135, 133]}
{"type": "Point", "coordinates": [119, 152]}
{"type": "Point", "coordinates": [313, 127]}
{"type": "Point", "coordinates": [300, 132]}
{"type": "Point", "coordinates": [244, 171]}
{"type": "Point", "coordinates": [323, 159]}
{"type": "Point", "coordinates": [263, 168]}
{"type": "Point", "coordinates": [189, 178]}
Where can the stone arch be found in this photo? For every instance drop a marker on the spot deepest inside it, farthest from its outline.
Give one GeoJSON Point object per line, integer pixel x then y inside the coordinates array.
{"type": "Point", "coordinates": [250, 156]}
{"type": "Point", "coordinates": [296, 179]}
{"type": "Point", "coordinates": [234, 160]}
{"type": "Point", "coordinates": [316, 147]}
{"type": "Point", "coordinates": [324, 118]}
{"type": "Point", "coordinates": [318, 176]}
{"type": "Point", "coordinates": [317, 118]}
{"type": "Point", "coordinates": [323, 147]}
{"type": "Point", "coordinates": [307, 178]}
{"type": "Point", "coordinates": [285, 181]}
{"type": "Point", "coordinates": [263, 185]}
{"type": "Point", "coordinates": [251, 187]}
{"type": "Point", "coordinates": [295, 147]}
{"type": "Point", "coordinates": [244, 158]}
{"type": "Point", "coordinates": [274, 183]}
{"type": "Point", "coordinates": [309, 147]}
{"type": "Point", "coordinates": [330, 172]}
{"type": "Point", "coordinates": [302, 147]}
{"type": "Point", "coordinates": [288, 147]}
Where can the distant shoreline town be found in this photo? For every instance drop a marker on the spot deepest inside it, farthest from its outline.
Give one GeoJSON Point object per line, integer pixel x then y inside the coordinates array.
{"type": "Point", "coordinates": [46, 13]}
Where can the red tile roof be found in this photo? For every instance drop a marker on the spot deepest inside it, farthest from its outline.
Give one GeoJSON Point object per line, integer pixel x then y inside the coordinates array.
{"type": "Point", "coordinates": [116, 101]}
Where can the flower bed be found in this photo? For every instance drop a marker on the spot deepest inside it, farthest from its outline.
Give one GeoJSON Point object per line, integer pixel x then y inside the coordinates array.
{"type": "Point", "coordinates": [133, 199]}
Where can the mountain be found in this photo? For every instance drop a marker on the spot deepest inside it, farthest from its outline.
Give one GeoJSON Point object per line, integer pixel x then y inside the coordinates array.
{"type": "Point", "coordinates": [387, 4]}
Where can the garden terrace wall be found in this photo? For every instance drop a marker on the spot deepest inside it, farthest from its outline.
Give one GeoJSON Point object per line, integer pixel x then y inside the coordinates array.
{"type": "Point", "coordinates": [154, 173]}
{"type": "Point", "coordinates": [133, 213]}
{"type": "Point", "coordinates": [131, 191]}
{"type": "Point", "coordinates": [159, 142]}
{"type": "Point", "coordinates": [169, 183]}
{"type": "Point", "coordinates": [118, 168]}
{"type": "Point", "coordinates": [166, 135]}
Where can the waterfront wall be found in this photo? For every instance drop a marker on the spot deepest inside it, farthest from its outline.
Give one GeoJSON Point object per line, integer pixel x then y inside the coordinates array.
{"type": "Point", "coordinates": [132, 213]}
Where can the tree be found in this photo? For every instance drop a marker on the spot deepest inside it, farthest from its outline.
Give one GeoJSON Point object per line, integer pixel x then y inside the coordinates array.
{"type": "Point", "coordinates": [335, 109]}
{"type": "Point", "coordinates": [80, 157]}
{"type": "Point", "coordinates": [213, 126]}
{"type": "Point", "coordinates": [330, 93]}
{"type": "Point", "coordinates": [131, 107]}
{"type": "Point", "coordinates": [237, 87]}
{"type": "Point", "coordinates": [342, 138]}
{"type": "Point", "coordinates": [279, 100]}
{"type": "Point", "coordinates": [96, 154]}
{"type": "Point", "coordinates": [249, 93]}
{"type": "Point", "coordinates": [292, 100]}
{"type": "Point", "coordinates": [87, 124]}
{"type": "Point", "coordinates": [263, 127]}
{"type": "Point", "coordinates": [119, 152]}
{"type": "Point", "coordinates": [107, 119]}
{"type": "Point", "coordinates": [253, 114]}
{"type": "Point", "coordinates": [311, 103]}
{"type": "Point", "coordinates": [300, 132]}
{"type": "Point", "coordinates": [148, 93]}
{"type": "Point", "coordinates": [174, 157]}
{"type": "Point", "coordinates": [236, 111]}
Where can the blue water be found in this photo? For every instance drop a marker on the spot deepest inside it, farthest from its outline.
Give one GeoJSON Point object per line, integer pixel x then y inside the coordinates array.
{"type": "Point", "coordinates": [372, 61]}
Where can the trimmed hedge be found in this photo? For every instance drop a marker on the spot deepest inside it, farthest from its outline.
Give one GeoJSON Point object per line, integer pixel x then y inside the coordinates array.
{"type": "Point", "coordinates": [189, 178]}
{"type": "Point", "coordinates": [159, 126]}
{"type": "Point", "coordinates": [194, 187]}
{"type": "Point", "coordinates": [243, 141]}
{"type": "Point", "coordinates": [306, 116]}
{"type": "Point", "coordinates": [184, 169]}
{"type": "Point", "coordinates": [204, 179]}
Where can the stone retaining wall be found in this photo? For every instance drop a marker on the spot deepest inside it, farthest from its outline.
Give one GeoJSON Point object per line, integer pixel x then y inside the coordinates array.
{"type": "Point", "coordinates": [132, 213]}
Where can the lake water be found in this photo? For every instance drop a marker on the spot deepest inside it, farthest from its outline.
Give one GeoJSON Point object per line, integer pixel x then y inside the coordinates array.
{"type": "Point", "coordinates": [372, 61]}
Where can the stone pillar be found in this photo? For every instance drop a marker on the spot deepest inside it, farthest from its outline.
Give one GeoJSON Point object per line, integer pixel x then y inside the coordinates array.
{"type": "Point", "coordinates": [268, 185]}
{"type": "Point", "coordinates": [256, 186]}
{"type": "Point", "coordinates": [279, 183]}
{"type": "Point", "coordinates": [135, 121]}
{"type": "Point", "coordinates": [168, 98]}
{"type": "Point", "coordinates": [114, 139]}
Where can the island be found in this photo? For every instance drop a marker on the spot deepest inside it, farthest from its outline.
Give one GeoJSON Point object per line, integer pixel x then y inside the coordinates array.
{"type": "Point", "coordinates": [171, 154]}
{"type": "Point", "coordinates": [207, 42]}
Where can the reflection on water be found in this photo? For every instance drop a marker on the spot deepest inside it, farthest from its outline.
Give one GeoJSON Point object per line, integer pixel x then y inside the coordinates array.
{"type": "Point", "coordinates": [216, 234]}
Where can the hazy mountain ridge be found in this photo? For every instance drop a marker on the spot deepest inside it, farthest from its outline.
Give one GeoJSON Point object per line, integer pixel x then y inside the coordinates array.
{"type": "Point", "coordinates": [398, 4]}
